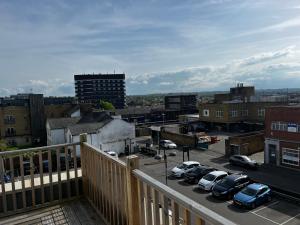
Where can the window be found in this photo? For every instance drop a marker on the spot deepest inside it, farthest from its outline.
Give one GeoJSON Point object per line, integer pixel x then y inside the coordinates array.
{"type": "Point", "coordinates": [290, 156]}
{"type": "Point", "coordinates": [261, 112]}
{"type": "Point", "coordinates": [234, 113]}
{"type": "Point", "coordinates": [279, 126]}
{"type": "Point", "coordinates": [206, 112]}
{"type": "Point", "coordinates": [219, 113]}
{"type": "Point", "coordinates": [245, 112]}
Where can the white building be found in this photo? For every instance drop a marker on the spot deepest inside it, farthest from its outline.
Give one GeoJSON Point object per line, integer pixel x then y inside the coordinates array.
{"type": "Point", "coordinates": [56, 129]}
{"type": "Point", "coordinates": [103, 131]}
{"type": "Point", "coordinates": [108, 135]}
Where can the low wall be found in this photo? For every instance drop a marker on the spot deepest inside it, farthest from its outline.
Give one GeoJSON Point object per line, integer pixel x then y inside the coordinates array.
{"type": "Point", "coordinates": [248, 143]}
{"type": "Point", "coordinates": [180, 139]}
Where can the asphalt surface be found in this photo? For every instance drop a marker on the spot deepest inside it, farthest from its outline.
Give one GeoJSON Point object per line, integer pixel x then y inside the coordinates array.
{"type": "Point", "coordinates": [278, 211]}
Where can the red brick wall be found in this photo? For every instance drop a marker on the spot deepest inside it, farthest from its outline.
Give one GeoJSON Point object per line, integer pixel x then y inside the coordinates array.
{"type": "Point", "coordinates": [282, 114]}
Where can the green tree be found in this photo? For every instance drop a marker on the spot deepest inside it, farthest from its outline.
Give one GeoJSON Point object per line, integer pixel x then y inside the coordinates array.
{"type": "Point", "coordinates": [106, 105]}
{"type": "Point", "coordinates": [3, 146]}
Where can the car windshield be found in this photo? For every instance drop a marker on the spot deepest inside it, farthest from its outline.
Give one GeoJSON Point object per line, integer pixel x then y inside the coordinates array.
{"type": "Point", "coordinates": [249, 191]}
{"type": "Point", "coordinates": [226, 183]}
{"type": "Point", "coordinates": [182, 166]}
{"type": "Point", "coordinates": [209, 177]}
{"type": "Point", "coordinates": [197, 170]}
{"type": "Point", "coordinates": [246, 158]}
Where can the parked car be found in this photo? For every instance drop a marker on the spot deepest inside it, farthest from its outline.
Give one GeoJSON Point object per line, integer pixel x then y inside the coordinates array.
{"type": "Point", "coordinates": [243, 160]}
{"type": "Point", "coordinates": [112, 153]}
{"type": "Point", "coordinates": [197, 173]}
{"type": "Point", "coordinates": [167, 144]}
{"type": "Point", "coordinates": [209, 180]}
{"type": "Point", "coordinates": [253, 195]}
{"type": "Point", "coordinates": [179, 170]}
{"type": "Point", "coordinates": [230, 185]}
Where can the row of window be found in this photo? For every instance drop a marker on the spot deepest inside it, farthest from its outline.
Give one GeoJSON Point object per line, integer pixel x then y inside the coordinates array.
{"type": "Point", "coordinates": [233, 113]}
{"type": "Point", "coordinates": [290, 156]}
{"type": "Point", "coordinates": [284, 126]}
{"type": "Point", "coordinates": [99, 81]}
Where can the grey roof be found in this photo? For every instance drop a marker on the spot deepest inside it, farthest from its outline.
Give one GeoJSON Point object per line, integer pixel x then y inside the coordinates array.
{"type": "Point", "coordinates": [60, 123]}
{"type": "Point", "coordinates": [89, 128]}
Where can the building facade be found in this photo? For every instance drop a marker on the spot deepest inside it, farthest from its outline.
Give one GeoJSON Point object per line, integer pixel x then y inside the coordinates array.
{"type": "Point", "coordinates": [92, 88]}
{"type": "Point", "coordinates": [23, 117]}
{"type": "Point", "coordinates": [282, 136]}
{"type": "Point", "coordinates": [236, 110]}
{"type": "Point", "coordinates": [181, 102]}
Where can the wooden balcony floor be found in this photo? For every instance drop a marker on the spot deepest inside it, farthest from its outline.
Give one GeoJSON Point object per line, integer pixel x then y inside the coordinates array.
{"type": "Point", "coordinates": [77, 212]}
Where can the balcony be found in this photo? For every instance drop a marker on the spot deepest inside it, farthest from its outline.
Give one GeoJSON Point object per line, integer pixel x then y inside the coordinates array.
{"type": "Point", "coordinates": [46, 182]}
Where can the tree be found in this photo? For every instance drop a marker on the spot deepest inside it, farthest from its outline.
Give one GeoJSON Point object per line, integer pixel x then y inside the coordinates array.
{"type": "Point", "coordinates": [3, 146]}
{"type": "Point", "coordinates": [106, 105]}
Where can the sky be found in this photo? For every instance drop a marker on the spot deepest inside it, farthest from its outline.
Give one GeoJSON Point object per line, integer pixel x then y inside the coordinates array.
{"type": "Point", "coordinates": [162, 46]}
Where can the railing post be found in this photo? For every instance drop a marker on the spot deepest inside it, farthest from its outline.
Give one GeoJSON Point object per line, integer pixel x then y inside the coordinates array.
{"type": "Point", "coordinates": [83, 155]}
{"type": "Point", "coordinates": [132, 191]}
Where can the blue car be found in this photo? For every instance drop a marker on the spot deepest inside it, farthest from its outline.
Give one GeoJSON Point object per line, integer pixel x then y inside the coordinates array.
{"type": "Point", "coordinates": [253, 195]}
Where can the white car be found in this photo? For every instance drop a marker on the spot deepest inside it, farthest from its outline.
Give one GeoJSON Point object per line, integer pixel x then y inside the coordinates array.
{"type": "Point", "coordinates": [168, 144]}
{"type": "Point", "coordinates": [179, 170]}
{"type": "Point", "coordinates": [112, 153]}
{"type": "Point", "coordinates": [209, 180]}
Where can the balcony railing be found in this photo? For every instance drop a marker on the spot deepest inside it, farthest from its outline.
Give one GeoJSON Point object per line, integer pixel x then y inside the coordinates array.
{"type": "Point", "coordinates": [119, 191]}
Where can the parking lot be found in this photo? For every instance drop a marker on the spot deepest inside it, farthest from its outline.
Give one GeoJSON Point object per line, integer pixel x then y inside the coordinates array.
{"type": "Point", "coordinates": [278, 211]}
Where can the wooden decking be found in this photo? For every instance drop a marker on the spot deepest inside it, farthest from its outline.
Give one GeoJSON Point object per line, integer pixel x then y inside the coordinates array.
{"type": "Point", "coordinates": [37, 180]}
{"type": "Point", "coordinates": [77, 212]}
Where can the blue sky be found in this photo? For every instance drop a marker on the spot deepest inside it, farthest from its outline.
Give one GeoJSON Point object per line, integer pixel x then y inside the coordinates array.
{"type": "Point", "coordinates": [161, 45]}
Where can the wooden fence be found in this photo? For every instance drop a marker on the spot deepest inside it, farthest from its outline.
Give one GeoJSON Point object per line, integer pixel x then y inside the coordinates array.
{"type": "Point", "coordinates": [37, 177]}
{"type": "Point", "coordinates": [124, 195]}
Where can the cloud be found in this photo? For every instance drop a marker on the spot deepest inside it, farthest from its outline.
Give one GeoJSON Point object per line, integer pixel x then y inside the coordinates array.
{"type": "Point", "coordinates": [263, 57]}
{"type": "Point", "coordinates": [51, 87]}
{"type": "Point", "coordinates": [260, 69]}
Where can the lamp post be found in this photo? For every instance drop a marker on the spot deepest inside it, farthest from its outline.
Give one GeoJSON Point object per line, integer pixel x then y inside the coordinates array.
{"type": "Point", "coordinates": [166, 166]}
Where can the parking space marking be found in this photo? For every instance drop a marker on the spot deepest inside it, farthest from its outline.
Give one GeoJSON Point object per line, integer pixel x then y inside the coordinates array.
{"type": "Point", "coordinates": [290, 219]}
{"type": "Point", "coordinates": [274, 203]}
{"type": "Point", "coordinates": [265, 218]}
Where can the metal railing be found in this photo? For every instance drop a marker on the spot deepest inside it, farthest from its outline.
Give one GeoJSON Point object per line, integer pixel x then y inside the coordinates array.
{"type": "Point", "coordinates": [32, 178]}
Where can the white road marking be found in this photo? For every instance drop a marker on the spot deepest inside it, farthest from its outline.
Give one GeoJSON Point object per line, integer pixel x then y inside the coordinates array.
{"type": "Point", "coordinates": [265, 218]}
{"type": "Point", "coordinates": [230, 202]}
{"type": "Point", "coordinates": [274, 203]}
{"type": "Point", "coordinates": [290, 219]}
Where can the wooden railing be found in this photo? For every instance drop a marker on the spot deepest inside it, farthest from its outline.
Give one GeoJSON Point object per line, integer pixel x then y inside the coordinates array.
{"type": "Point", "coordinates": [37, 177]}
{"type": "Point", "coordinates": [123, 194]}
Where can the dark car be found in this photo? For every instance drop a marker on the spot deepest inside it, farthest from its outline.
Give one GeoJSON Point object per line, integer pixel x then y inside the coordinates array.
{"type": "Point", "coordinates": [197, 173]}
{"type": "Point", "coordinates": [242, 160]}
{"type": "Point", "coordinates": [230, 185]}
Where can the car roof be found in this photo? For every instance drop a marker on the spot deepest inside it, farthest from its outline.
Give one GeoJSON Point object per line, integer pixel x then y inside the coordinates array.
{"type": "Point", "coordinates": [235, 176]}
{"type": "Point", "coordinates": [218, 173]}
{"type": "Point", "coordinates": [257, 186]}
{"type": "Point", "coordinates": [190, 162]}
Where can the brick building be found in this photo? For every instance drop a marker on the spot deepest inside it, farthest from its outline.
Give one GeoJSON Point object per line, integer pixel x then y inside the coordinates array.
{"type": "Point", "coordinates": [235, 111]}
{"type": "Point", "coordinates": [23, 117]}
{"type": "Point", "coordinates": [282, 137]}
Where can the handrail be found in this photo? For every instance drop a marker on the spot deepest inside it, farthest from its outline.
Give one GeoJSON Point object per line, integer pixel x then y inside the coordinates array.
{"type": "Point", "coordinates": [44, 148]}
{"type": "Point", "coordinates": [93, 148]}
{"type": "Point", "coordinates": [180, 199]}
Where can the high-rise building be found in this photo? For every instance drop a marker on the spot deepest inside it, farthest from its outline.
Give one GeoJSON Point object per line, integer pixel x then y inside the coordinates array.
{"type": "Point", "coordinates": [91, 88]}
